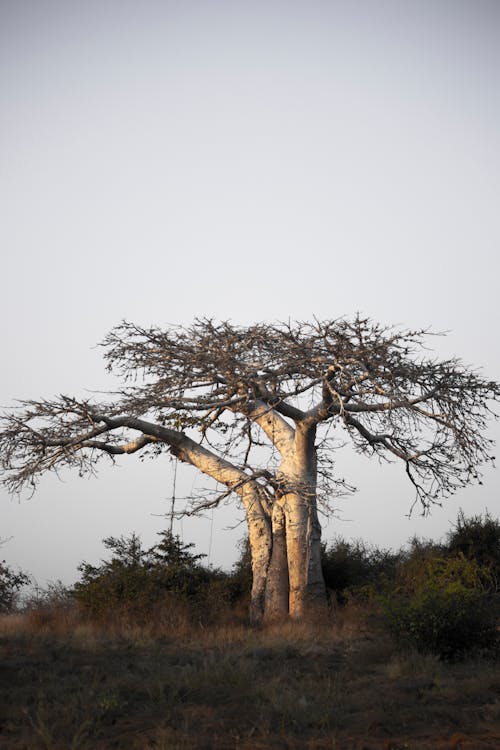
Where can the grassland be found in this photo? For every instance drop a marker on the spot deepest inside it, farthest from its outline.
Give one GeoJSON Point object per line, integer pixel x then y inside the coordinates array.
{"type": "Point", "coordinates": [69, 684]}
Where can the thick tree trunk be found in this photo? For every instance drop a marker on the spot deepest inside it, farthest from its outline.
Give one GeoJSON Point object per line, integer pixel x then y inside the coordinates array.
{"type": "Point", "coordinates": [296, 514]}
{"type": "Point", "coordinates": [303, 532]}
{"type": "Point", "coordinates": [285, 549]}
{"type": "Point", "coordinates": [315, 582]}
{"type": "Point", "coordinates": [303, 540]}
{"type": "Point", "coordinates": [277, 589]}
{"type": "Point", "coordinates": [261, 545]}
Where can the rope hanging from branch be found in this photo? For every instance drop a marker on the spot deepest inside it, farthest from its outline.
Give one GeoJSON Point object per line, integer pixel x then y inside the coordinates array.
{"type": "Point", "coordinates": [172, 506]}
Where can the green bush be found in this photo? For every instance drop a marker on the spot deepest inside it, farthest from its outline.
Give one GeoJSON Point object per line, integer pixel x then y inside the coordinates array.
{"type": "Point", "coordinates": [478, 538]}
{"type": "Point", "coordinates": [137, 582]}
{"type": "Point", "coordinates": [351, 568]}
{"type": "Point", "coordinates": [442, 604]}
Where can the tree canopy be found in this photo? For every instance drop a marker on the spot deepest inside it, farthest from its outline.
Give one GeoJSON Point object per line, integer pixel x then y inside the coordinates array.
{"type": "Point", "coordinates": [261, 409]}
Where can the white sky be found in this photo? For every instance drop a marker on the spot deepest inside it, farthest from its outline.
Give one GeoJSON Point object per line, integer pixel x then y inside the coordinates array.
{"type": "Point", "coordinates": [244, 160]}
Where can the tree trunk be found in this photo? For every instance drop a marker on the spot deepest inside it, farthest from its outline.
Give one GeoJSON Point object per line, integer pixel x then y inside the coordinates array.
{"type": "Point", "coordinates": [303, 532]}
{"type": "Point", "coordinates": [252, 497]}
{"type": "Point", "coordinates": [261, 543]}
{"type": "Point", "coordinates": [296, 514]}
{"type": "Point", "coordinates": [277, 589]}
{"type": "Point", "coordinates": [315, 582]}
{"type": "Point", "coordinates": [286, 549]}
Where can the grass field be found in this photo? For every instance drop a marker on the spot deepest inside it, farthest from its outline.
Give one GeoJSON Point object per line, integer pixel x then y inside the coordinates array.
{"type": "Point", "coordinates": [67, 684]}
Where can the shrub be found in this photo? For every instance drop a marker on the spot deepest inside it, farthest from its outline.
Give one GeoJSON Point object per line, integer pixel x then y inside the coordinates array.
{"type": "Point", "coordinates": [55, 595]}
{"type": "Point", "coordinates": [478, 538]}
{"type": "Point", "coordinates": [137, 582]}
{"type": "Point", "coordinates": [442, 605]}
{"type": "Point", "coordinates": [11, 582]}
{"type": "Point", "coordinates": [351, 568]}
{"type": "Point", "coordinates": [52, 607]}
{"type": "Point", "coordinates": [240, 578]}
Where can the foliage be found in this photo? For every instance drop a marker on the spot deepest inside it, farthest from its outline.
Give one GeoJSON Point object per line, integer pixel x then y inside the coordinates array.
{"type": "Point", "coordinates": [478, 538]}
{"type": "Point", "coordinates": [11, 582]}
{"type": "Point", "coordinates": [136, 581]}
{"type": "Point", "coordinates": [241, 574]}
{"type": "Point", "coordinates": [54, 596]}
{"type": "Point", "coordinates": [441, 604]}
{"type": "Point", "coordinates": [437, 597]}
{"type": "Point", "coordinates": [261, 410]}
{"type": "Point", "coordinates": [351, 566]}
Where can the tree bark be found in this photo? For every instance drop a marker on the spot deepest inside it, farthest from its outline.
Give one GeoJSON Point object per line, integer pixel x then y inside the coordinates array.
{"type": "Point", "coordinates": [303, 531]}
{"type": "Point", "coordinates": [250, 493]}
{"type": "Point", "coordinates": [261, 544]}
{"type": "Point", "coordinates": [277, 588]}
{"type": "Point", "coordinates": [286, 548]}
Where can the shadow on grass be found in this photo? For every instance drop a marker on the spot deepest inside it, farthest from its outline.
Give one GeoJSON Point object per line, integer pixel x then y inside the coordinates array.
{"type": "Point", "coordinates": [68, 683]}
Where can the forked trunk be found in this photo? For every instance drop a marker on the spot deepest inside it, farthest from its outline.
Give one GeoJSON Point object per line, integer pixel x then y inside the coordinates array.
{"type": "Point", "coordinates": [285, 548]}
{"type": "Point", "coordinates": [286, 562]}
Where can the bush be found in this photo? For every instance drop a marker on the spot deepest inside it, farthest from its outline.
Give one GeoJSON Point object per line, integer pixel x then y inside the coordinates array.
{"type": "Point", "coordinates": [11, 582]}
{"type": "Point", "coordinates": [138, 583]}
{"type": "Point", "coordinates": [240, 579]}
{"type": "Point", "coordinates": [442, 605]}
{"type": "Point", "coordinates": [350, 568]}
{"type": "Point", "coordinates": [478, 538]}
{"type": "Point", "coordinates": [52, 607]}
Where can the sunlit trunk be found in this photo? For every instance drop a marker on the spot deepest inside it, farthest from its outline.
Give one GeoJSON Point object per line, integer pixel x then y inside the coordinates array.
{"type": "Point", "coordinates": [257, 516]}
{"type": "Point", "coordinates": [303, 532]}
{"type": "Point", "coordinates": [285, 548]}
{"type": "Point", "coordinates": [261, 544]}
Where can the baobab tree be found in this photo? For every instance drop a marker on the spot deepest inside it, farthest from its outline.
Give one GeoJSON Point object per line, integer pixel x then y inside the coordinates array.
{"type": "Point", "coordinates": [262, 410]}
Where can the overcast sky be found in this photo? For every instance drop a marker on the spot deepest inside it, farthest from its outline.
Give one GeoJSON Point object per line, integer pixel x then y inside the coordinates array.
{"type": "Point", "coordinates": [251, 161]}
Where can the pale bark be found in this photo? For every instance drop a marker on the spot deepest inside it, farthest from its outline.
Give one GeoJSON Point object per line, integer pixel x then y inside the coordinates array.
{"type": "Point", "coordinates": [296, 514]}
{"type": "Point", "coordinates": [261, 544]}
{"type": "Point", "coordinates": [294, 576]}
{"type": "Point", "coordinates": [430, 415]}
{"type": "Point", "coordinates": [277, 589]}
{"type": "Point", "coordinates": [248, 490]}
{"type": "Point", "coordinates": [277, 429]}
{"type": "Point", "coordinates": [303, 533]}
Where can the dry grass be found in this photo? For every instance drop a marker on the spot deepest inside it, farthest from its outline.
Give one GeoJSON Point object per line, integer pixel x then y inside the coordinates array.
{"type": "Point", "coordinates": [68, 684]}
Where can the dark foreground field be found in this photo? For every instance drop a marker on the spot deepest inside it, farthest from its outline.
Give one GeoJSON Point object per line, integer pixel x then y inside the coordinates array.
{"type": "Point", "coordinates": [71, 686]}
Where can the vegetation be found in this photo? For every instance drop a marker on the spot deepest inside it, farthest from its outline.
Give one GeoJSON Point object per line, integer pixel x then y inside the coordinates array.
{"type": "Point", "coordinates": [407, 657]}
{"type": "Point", "coordinates": [478, 538]}
{"type": "Point", "coordinates": [437, 598]}
{"type": "Point", "coordinates": [260, 409]}
{"type": "Point", "coordinates": [442, 604]}
{"type": "Point", "coordinates": [11, 582]}
{"type": "Point", "coordinates": [316, 685]}
{"type": "Point", "coordinates": [141, 584]}
{"type": "Point", "coordinates": [352, 568]}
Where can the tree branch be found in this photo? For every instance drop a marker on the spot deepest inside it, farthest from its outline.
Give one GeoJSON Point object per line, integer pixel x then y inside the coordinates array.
{"type": "Point", "coordinates": [396, 403]}
{"type": "Point", "coordinates": [279, 432]}
{"type": "Point", "coordinates": [131, 447]}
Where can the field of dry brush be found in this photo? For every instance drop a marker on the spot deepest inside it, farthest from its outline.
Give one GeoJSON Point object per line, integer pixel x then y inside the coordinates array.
{"type": "Point", "coordinates": [68, 684]}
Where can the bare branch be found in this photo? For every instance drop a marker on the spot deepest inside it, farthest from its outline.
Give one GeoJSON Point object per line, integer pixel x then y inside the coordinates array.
{"type": "Point", "coordinates": [197, 389]}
